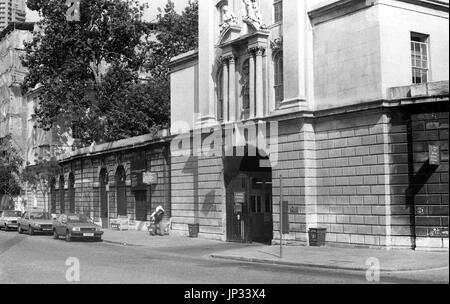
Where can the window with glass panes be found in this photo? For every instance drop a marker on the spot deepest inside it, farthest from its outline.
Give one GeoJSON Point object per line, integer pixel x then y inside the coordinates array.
{"type": "Point", "coordinates": [278, 78]}
{"type": "Point", "coordinates": [278, 11]}
{"type": "Point", "coordinates": [419, 58]}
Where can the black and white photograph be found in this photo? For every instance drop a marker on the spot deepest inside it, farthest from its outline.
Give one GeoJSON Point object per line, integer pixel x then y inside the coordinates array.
{"type": "Point", "coordinates": [219, 148]}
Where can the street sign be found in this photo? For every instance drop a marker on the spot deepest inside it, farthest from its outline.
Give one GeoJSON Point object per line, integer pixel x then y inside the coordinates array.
{"type": "Point", "coordinates": [434, 155]}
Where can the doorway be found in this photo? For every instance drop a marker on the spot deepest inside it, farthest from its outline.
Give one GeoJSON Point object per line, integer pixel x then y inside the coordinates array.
{"type": "Point", "coordinates": [141, 205]}
{"type": "Point", "coordinates": [121, 192]}
{"type": "Point", "coordinates": [249, 200]}
{"type": "Point", "coordinates": [104, 198]}
{"type": "Point", "coordinates": [71, 193]}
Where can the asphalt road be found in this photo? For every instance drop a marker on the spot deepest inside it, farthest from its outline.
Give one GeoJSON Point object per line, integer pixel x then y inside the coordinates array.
{"type": "Point", "coordinates": [41, 259]}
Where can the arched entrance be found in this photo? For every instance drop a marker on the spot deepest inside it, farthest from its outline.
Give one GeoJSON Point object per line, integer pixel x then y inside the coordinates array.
{"type": "Point", "coordinates": [71, 193]}
{"type": "Point", "coordinates": [103, 197]}
{"type": "Point", "coordinates": [249, 200]}
{"type": "Point", "coordinates": [62, 203]}
{"type": "Point", "coordinates": [121, 191]}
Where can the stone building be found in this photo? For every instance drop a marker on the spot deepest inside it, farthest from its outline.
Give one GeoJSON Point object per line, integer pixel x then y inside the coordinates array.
{"type": "Point", "coordinates": [11, 11]}
{"type": "Point", "coordinates": [343, 102]}
{"type": "Point", "coordinates": [127, 178]}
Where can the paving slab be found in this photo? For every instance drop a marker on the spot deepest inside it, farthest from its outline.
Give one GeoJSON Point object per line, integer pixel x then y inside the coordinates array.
{"type": "Point", "coordinates": [340, 258]}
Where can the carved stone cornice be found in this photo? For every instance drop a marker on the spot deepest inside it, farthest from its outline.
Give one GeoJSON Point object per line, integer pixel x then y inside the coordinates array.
{"type": "Point", "coordinates": [258, 50]}
{"type": "Point", "coordinates": [230, 58]}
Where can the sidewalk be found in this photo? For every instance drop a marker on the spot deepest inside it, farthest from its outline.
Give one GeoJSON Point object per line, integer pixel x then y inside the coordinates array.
{"type": "Point", "coordinates": [319, 257]}
{"type": "Point", "coordinates": [135, 238]}
{"type": "Point", "coordinates": [339, 258]}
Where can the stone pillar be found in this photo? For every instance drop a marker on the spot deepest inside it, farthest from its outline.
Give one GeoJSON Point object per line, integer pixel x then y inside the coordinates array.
{"type": "Point", "coordinates": [225, 86]}
{"type": "Point", "coordinates": [206, 55]}
{"type": "Point", "coordinates": [232, 90]}
{"type": "Point", "coordinates": [259, 95]}
{"type": "Point", "coordinates": [252, 85]}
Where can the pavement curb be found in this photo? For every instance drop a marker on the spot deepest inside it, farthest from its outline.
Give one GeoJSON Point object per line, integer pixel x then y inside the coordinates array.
{"type": "Point", "coordinates": [122, 243]}
{"type": "Point", "coordinates": [285, 263]}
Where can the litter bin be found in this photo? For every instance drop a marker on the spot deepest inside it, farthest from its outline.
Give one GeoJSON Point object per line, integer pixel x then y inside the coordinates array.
{"type": "Point", "coordinates": [317, 236]}
{"type": "Point", "coordinates": [193, 230]}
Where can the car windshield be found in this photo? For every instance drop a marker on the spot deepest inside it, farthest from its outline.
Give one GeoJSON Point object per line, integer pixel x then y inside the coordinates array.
{"type": "Point", "coordinates": [39, 216]}
{"type": "Point", "coordinates": [78, 219]}
{"type": "Point", "coordinates": [11, 213]}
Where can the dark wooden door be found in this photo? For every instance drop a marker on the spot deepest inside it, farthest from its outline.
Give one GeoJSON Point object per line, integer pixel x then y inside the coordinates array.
{"type": "Point", "coordinates": [141, 205]}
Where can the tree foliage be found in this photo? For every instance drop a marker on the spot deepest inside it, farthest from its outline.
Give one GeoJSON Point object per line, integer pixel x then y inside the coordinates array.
{"type": "Point", "coordinates": [11, 163]}
{"type": "Point", "coordinates": [89, 71]}
{"type": "Point", "coordinates": [175, 34]}
{"type": "Point", "coordinates": [40, 176]}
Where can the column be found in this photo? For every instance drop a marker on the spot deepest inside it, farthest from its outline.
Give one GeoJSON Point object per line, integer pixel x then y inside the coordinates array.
{"type": "Point", "coordinates": [252, 85]}
{"type": "Point", "coordinates": [232, 86]}
{"type": "Point", "coordinates": [259, 95]}
{"type": "Point", "coordinates": [225, 85]}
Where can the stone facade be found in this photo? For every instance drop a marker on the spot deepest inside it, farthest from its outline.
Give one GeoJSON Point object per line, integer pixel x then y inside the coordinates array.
{"type": "Point", "coordinates": [353, 132]}
{"type": "Point", "coordinates": [79, 187]}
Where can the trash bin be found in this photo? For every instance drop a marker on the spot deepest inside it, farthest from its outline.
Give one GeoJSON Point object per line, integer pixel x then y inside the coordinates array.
{"type": "Point", "coordinates": [193, 230]}
{"type": "Point", "coordinates": [317, 236]}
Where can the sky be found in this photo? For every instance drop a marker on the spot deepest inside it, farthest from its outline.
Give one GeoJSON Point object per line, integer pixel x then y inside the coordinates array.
{"type": "Point", "coordinates": [150, 13]}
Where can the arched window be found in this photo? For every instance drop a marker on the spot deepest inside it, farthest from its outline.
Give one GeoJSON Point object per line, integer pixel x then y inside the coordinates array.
{"type": "Point", "coordinates": [220, 101]}
{"type": "Point", "coordinates": [278, 78]}
{"type": "Point", "coordinates": [53, 196]}
{"type": "Point", "coordinates": [71, 193]}
{"type": "Point", "coordinates": [62, 203]}
{"type": "Point", "coordinates": [245, 82]}
{"type": "Point", "coordinates": [104, 197]}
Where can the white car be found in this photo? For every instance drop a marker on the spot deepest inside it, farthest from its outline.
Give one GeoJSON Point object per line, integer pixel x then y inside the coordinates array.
{"type": "Point", "coordinates": [9, 218]}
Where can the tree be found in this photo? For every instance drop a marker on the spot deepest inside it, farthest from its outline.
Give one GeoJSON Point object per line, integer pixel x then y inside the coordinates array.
{"type": "Point", "coordinates": [175, 34]}
{"type": "Point", "coordinates": [90, 70]}
{"type": "Point", "coordinates": [10, 169]}
{"type": "Point", "coordinates": [70, 60]}
{"type": "Point", "coordinates": [39, 176]}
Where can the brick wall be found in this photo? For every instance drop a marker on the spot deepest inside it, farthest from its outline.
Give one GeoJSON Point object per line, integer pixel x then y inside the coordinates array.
{"type": "Point", "coordinates": [87, 173]}
{"type": "Point", "coordinates": [351, 193]}
{"type": "Point", "coordinates": [420, 190]}
{"type": "Point", "coordinates": [197, 189]}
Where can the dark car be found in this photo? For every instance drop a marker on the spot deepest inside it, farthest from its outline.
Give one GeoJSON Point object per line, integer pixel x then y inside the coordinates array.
{"type": "Point", "coordinates": [76, 226]}
{"type": "Point", "coordinates": [35, 221]}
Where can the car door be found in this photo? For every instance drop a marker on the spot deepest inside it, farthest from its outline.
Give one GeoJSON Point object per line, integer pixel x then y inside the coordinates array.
{"type": "Point", "coordinates": [56, 223]}
{"type": "Point", "coordinates": [23, 223]}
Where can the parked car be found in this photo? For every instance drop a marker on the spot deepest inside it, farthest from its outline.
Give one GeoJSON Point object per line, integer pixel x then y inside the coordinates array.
{"type": "Point", "coordinates": [35, 221]}
{"type": "Point", "coordinates": [76, 226]}
{"type": "Point", "coordinates": [9, 218]}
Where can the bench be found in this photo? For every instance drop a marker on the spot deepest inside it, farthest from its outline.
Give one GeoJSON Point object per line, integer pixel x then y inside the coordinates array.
{"type": "Point", "coordinates": [122, 222]}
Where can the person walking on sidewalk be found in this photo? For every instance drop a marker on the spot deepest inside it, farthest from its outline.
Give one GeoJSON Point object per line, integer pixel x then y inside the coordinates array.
{"type": "Point", "coordinates": [157, 217]}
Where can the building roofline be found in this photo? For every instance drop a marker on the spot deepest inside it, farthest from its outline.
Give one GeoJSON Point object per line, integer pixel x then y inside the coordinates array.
{"type": "Point", "coordinates": [25, 26]}
{"type": "Point", "coordinates": [332, 9]}
{"type": "Point", "coordinates": [116, 146]}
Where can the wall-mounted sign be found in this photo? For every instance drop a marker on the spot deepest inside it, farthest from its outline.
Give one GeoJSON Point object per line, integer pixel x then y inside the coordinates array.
{"type": "Point", "coordinates": [239, 197]}
{"type": "Point", "coordinates": [238, 208]}
{"type": "Point", "coordinates": [434, 155]}
{"type": "Point", "coordinates": [150, 178]}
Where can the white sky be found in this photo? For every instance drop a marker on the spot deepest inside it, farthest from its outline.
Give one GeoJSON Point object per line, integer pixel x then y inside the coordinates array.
{"type": "Point", "coordinates": [150, 13]}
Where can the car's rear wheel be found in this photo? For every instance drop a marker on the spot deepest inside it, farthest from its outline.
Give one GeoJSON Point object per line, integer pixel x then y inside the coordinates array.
{"type": "Point", "coordinates": [55, 235]}
{"type": "Point", "coordinates": [68, 236]}
{"type": "Point", "coordinates": [30, 230]}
